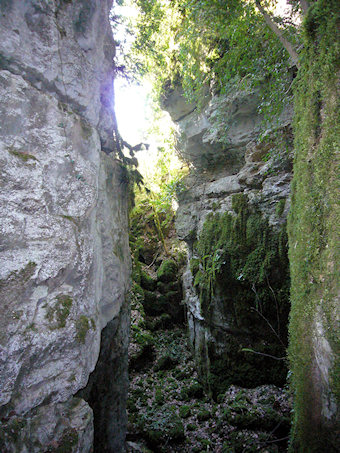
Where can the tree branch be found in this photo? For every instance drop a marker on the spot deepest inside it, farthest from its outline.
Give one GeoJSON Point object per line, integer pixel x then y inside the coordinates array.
{"type": "Point", "coordinates": [263, 353]}
{"type": "Point", "coordinates": [304, 6]}
{"type": "Point", "coordinates": [284, 41]}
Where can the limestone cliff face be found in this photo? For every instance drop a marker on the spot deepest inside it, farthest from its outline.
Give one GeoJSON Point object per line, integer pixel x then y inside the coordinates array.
{"type": "Point", "coordinates": [64, 247]}
{"type": "Point", "coordinates": [232, 216]}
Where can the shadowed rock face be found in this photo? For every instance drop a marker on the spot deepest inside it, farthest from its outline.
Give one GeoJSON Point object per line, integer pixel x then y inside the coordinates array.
{"type": "Point", "coordinates": [64, 249]}
{"type": "Point", "coordinates": [231, 283]}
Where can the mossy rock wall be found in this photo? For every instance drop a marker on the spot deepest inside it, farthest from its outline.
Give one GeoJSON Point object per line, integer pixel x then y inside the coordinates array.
{"type": "Point", "coordinates": [314, 234]}
{"type": "Point", "coordinates": [241, 275]}
{"type": "Point", "coordinates": [232, 215]}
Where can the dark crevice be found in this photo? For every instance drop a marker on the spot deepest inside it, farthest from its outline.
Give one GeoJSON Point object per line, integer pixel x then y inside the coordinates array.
{"type": "Point", "coordinates": [106, 391]}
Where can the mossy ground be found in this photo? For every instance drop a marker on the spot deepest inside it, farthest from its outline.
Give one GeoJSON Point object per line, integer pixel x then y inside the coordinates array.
{"type": "Point", "coordinates": [156, 293]}
{"type": "Point", "coordinates": [167, 406]}
{"type": "Point", "coordinates": [237, 255]}
{"type": "Point", "coordinates": [169, 412]}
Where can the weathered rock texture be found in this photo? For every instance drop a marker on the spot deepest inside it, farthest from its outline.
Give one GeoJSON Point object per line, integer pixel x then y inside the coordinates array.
{"type": "Point", "coordinates": [64, 248]}
{"type": "Point", "coordinates": [232, 216]}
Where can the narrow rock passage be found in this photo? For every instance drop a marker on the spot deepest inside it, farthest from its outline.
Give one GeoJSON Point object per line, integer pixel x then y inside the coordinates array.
{"type": "Point", "coordinates": [169, 407]}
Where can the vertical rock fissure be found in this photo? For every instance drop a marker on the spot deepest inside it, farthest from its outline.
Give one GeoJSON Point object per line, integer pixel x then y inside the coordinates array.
{"type": "Point", "coordinates": [226, 391]}
{"type": "Point", "coordinates": [106, 391]}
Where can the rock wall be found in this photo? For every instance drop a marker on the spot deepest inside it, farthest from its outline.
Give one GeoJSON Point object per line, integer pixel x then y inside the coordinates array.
{"type": "Point", "coordinates": [232, 216]}
{"type": "Point", "coordinates": [314, 230]}
{"type": "Point", "coordinates": [64, 248]}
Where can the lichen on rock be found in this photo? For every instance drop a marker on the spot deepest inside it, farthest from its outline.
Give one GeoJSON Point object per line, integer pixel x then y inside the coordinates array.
{"type": "Point", "coordinates": [63, 213]}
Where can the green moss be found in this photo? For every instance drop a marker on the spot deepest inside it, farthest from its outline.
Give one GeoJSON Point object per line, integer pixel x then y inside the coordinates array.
{"type": "Point", "coordinates": [62, 105]}
{"type": "Point", "coordinates": [239, 251]}
{"type": "Point", "coordinates": [194, 266]}
{"type": "Point", "coordinates": [17, 314]}
{"type": "Point", "coordinates": [205, 442]}
{"type": "Point", "coordinates": [161, 426]}
{"type": "Point", "coordinates": [185, 411]}
{"type": "Point", "coordinates": [146, 233]}
{"type": "Point", "coordinates": [215, 206]}
{"type": "Point", "coordinates": [20, 276]}
{"type": "Point", "coordinates": [166, 362]}
{"type": "Point", "coordinates": [243, 262]}
{"type": "Point", "coordinates": [239, 203]}
{"type": "Point", "coordinates": [167, 271]}
{"type": "Point", "coordinates": [195, 390]}
{"type": "Point", "coordinates": [25, 157]}
{"type": "Point", "coordinates": [246, 415]}
{"type": "Point", "coordinates": [166, 288]}
{"type": "Point", "coordinates": [68, 440]}
{"type": "Point", "coordinates": [32, 327]}
{"type": "Point", "coordinates": [85, 14]}
{"type": "Point", "coordinates": [142, 337]}
{"type": "Point", "coordinates": [12, 431]}
{"type": "Point", "coordinates": [159, 396]}
{"type": "Point", "coordinates": [239, 368]}
{"type": "Point", "coordinates": [64, 307]}
{"type": "Point", "coordinates": [280, 207]}
{"type": "Point", "coordinates": [247, 441]}
{"type": "Point", "coordinates": [119, 251]}
{"type": "Point", "coordinates": [82, 327]}
{"type": "Point", "coordinates": [60, 311]}
{"type": "Point", "coordinates": [191, 427]}
{"type": "Point", "coordinates": [203, 415]}
{"type": "Point", "coordinates": [151, 304]}
{"type": "Point", "coordinates": [171, 297]}
{"type": "Point", "coordinates": [314, 225]}
{"type": "Point", "coordinates": [137, 294]}
{"type": "Point", "coordinates": [86, 131]}
{"type": "Point", "coordinates": [163, 321]}
{"type": "Point", "coordinates": [71, 219]}
{"type": "Point", "coordinates": [147, 282]}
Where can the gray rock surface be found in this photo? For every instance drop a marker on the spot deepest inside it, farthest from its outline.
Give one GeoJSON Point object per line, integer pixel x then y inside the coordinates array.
{"type": "Point", "coordinates": [227, 158]}
{"type": "Point", "coordinates": [56, 46]}
{"type": "Point", "coordinates": [64, 248]}
{"type": "Point", "coordinates": [222, 145]}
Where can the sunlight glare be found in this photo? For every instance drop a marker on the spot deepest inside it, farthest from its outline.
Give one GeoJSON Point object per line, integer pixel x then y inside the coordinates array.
{"type": "Point", "coordinates": [131, 111]}
{"type": "Point", "coordinates": [136, 117]}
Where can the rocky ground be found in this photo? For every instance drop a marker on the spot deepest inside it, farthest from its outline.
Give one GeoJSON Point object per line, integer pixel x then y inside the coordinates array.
{"type": "Point", "coordinates": [168, 408]}
{"type": "Point", "coordinates": [169, 411]}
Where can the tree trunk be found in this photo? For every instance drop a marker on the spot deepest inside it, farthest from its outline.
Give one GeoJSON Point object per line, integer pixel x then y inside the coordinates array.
{"type": "Point", "coordinates": [304, 6]}
{"type": "Point", "coordinates": [284, 41]}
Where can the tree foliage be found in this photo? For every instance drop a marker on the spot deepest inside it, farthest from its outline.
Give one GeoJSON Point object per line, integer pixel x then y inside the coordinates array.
{"type": "Point", "coordinates": [210, 43]}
